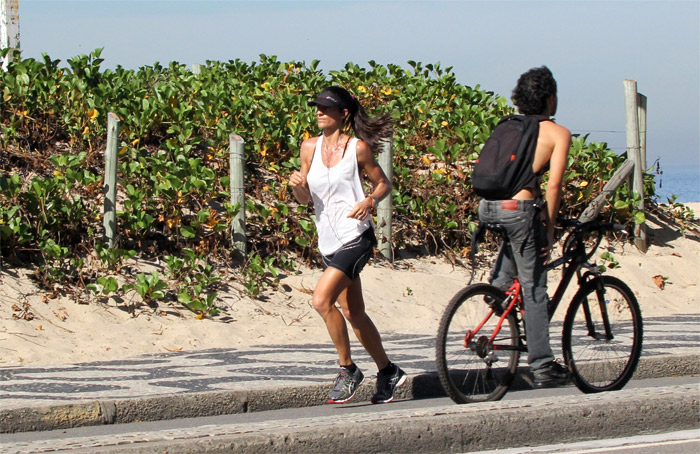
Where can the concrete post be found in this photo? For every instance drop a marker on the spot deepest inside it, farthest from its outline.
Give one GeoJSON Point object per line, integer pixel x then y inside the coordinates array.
{"type": "Point", "coordinates": [9, 29]}
{"type": "Point", "coordinates": [237, 165]}
{"type": "Point", "coordinates": [110, 181]}
{"type": "Point", "coordinates": [384, 209]}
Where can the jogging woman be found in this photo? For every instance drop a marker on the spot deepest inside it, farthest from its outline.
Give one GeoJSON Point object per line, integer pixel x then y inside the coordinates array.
{"type": "Point", "coordinates": [330, 177]}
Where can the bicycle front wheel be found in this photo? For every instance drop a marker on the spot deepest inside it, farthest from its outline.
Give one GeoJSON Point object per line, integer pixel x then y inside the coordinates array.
{"type": "Point", "coordinates": [602, 359]}
{"type": "Point", "coordinates": [473, 367]}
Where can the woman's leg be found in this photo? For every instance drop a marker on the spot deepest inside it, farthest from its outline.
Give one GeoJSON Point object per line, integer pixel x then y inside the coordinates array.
{"type": "Point", "coordinates": [333, 282]}
{"type": "Point", "coordinates": [389, 375]}
{"type": "Point", "coordinates": [334, 286]}
{"type": "Point", "coordinates": [353, 305]}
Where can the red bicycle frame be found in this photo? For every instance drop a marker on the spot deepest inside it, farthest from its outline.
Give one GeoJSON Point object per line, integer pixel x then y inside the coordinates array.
{"type": "Point", "coordinates": [514, 297]}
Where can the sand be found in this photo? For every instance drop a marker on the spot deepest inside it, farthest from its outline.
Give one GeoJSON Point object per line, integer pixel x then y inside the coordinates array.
{"type": "Point", "coordinates": [405, 297]}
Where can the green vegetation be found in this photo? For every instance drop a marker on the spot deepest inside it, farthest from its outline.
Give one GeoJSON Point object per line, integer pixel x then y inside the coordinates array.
{"type": "Point", "coordinates": [173, 167]}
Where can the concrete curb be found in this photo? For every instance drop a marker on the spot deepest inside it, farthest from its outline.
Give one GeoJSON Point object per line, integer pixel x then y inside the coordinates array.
{"type": "Point", "coordinates": [458, 428]}
{"type": "Point", "coordinates": [232, 402]}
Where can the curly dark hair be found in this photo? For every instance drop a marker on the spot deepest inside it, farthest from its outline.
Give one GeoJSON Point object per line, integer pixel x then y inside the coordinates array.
{"type": "Point", "coordinates": [533, 88]}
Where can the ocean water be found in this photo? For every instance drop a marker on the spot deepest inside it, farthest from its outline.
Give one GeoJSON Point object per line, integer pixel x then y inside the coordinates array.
{"type": "Point", "coordinates": [683, 182]}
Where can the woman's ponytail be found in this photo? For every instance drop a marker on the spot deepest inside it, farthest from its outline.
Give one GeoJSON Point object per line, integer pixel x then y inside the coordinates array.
{"type": "Point", "coordinates": [372, 130]}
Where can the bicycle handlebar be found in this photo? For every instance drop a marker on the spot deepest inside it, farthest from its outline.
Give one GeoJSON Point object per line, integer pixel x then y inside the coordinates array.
{"type": "Point", "coordinates": [574, 244]}
{"type": "Point", "coordinates": [590, 226]}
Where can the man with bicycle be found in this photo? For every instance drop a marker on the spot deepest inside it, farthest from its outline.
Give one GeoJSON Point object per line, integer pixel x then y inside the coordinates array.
{"type": "Point", "coordinates": [529, 220]}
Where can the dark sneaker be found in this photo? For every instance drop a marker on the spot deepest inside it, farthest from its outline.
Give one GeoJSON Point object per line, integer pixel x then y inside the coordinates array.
{"type": "Point", "coordinates": [494, 305]}
{"type": "Point", "coordinates": [550, 375]}
{"type": "Point", "coordinates": [387, 384]}
{"type": "Point", "coordinates": [345, 386]}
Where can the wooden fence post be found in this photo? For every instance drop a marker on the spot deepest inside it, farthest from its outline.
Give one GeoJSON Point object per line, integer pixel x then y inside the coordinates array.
{"type": "Point", "coordinates": [642, 116]}
{"type": "Point", "coordinates": [110, 181]}
{"type": "Point", "coordinates": [237, 165]}
{"type": "Point", "coordinates": [633, 152]}
{"type": "Point", "coordinates": [9, 29]}
{"type": "Point", "coordinates": [620, 176]}
{"type": "Point", "coordinates": [384, 217]}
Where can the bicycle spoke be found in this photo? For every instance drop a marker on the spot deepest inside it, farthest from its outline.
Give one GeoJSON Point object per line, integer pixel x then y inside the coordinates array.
{"type": "Point", "coordinates": [599, 363]}
{"type": "Point", "coordinates": [479, 371]}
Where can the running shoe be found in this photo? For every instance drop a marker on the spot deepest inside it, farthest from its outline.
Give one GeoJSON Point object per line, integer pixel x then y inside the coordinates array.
{"type": "Point", "coordinates": [387, 384]}
{"type": "Point", "coordinates": [346, 384]}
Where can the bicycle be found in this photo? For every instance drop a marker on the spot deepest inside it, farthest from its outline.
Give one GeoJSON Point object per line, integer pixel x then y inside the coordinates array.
{"type": "Point", "coordinates": [479, 341]}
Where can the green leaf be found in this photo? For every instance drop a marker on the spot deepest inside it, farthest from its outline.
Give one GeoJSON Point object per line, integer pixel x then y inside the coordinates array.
{"type": "Point", "coordinates": [197, 306]}
{"type": "Point", "coordinates": [109, 284]}
{"type": "Point", "coordinates": [607, 256]}
{"type": "Point", "coordinates": [188, 232]}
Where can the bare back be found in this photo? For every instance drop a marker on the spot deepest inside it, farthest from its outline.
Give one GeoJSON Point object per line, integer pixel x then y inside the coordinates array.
{"type": "Point", "coordinates": [552, 150]}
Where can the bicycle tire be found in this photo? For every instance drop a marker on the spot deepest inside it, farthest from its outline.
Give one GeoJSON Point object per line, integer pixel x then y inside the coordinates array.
{"type": "Point", "coordinates": [598, 364]}
{"type": "Point", "coordinates": [467, 374]}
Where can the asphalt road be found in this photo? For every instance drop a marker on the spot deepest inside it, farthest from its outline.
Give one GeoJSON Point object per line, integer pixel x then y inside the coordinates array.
{"type": "Point", "coordinates": [680, 442]}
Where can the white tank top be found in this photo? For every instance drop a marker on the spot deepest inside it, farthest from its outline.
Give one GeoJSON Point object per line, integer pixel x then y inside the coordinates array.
{"type": "Point", "coordinates": [335, 193]}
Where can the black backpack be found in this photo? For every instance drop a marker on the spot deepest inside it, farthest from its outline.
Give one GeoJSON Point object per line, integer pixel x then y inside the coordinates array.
{"type": "Point", "coordinates": [504, 165]}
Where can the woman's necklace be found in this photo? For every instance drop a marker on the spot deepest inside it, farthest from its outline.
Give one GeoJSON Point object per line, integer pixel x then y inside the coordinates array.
{"type": "Point", "coordinates": [329, 151]}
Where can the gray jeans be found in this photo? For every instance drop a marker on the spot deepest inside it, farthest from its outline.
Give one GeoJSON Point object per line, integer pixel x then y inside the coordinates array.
{"type": "Point", "coordinates": [521, 258]}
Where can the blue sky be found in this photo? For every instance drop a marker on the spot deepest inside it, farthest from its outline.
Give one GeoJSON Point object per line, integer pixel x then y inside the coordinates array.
{"type": "Point", "coordinates": [590, 46]}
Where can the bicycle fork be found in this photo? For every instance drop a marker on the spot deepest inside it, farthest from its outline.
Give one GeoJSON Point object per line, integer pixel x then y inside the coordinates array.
{"type": "Point", "coordinates": [602, 304]}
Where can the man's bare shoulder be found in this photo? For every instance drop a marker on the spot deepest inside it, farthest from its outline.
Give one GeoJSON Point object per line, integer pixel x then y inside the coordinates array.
{"type": "Point", "coordinates": [555, 130]}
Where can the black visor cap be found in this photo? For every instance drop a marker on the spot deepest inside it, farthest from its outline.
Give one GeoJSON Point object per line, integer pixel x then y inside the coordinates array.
{"type": "Point", "coordinates": [327, 99]}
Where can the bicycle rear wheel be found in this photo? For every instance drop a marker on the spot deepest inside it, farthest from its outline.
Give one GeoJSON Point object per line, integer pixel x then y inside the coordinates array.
{"type": "Point", "coordinates": [599, 362]}
{"type": "Point", "coordinates": [470, 367]}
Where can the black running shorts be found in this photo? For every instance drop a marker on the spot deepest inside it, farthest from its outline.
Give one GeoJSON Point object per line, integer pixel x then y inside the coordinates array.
{"type": "Point", "coordinates": [353, 256]}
